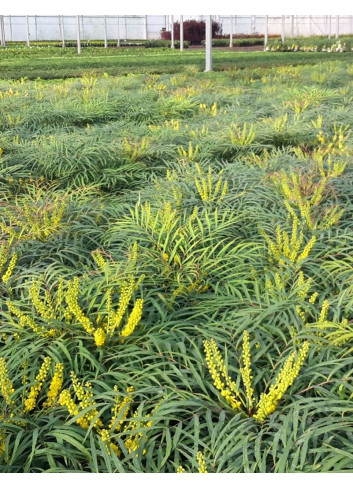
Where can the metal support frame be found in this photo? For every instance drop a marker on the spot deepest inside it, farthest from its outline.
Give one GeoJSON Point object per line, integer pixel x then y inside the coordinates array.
{"type": "Point", "coordinates": [231, 32]}
{"type": "Point", "coordinates": [78, 34]}
{"type": "Point", "coordinates": [118, 32]}
{"type": "Point", "coordinates": [105, 32]}
{"type": "Point", "coordinates": [62, 32]}
{"type": "Point", "coordinates": [329, 26]}
{"type": "Point", "coordinates": [208, 43]}
{"type": "Point", "coordinates": [181, 33]}
{"type": "Point", "coordinates": [337, 26]}
{"type": "Point", "coordinates": [146, 29]}
{"type": "Point", "coordinates": [172, 32]}
{"type": "Point", "coordinates": [266, 32]}
{"type": "Point", "coordinates": [283, 28]}
{"type": "Point", "coordinates": [292, 26]}
{"type": "Point", "coordinates": [27, 31]}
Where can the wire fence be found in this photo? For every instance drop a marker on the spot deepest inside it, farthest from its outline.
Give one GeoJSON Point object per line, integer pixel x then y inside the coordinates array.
{"type": "Point", "coordinates": [135, 27]}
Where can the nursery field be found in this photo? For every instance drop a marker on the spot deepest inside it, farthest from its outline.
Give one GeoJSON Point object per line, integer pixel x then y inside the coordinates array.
{"type": "Point", "coordinates": [176, 271]}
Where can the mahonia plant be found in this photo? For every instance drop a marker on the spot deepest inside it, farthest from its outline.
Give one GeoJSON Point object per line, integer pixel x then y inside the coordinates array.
{"type": "Point", "coordinates": [227, 387]}
{"type": "Point", "coordinates": [25, 403]}
{"type": "Point", "coordinates": [58, 311]}
{"type": "Point", "coordinates": [119, 422]}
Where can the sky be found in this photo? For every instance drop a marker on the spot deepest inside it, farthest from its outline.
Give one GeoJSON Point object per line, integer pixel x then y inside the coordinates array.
{"type": "Point", "coordinates": [176, 7]}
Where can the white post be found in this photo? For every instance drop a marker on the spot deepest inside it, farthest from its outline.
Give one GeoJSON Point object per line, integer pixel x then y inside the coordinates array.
{"type": "Point", "coordinates": [61, 21]}
{"type": "Point", "coordinates": [310, 31]}
{"type": "Point", "coordinates": [231, 32]}
{"type": "Point", "coordinates": [36, 27]}
{"type": "Point", "coordinates": [27, 24]}
{"type": "Point", "coordinates": [283, 28]}
{"type": "Point", "coordinates": [253, 24]}
{"type": "Point", "coordinates": [11, 33]}
{"type": "Point", "coordinates": [292, 26]}
{"type": "Point", "coordinates": [266, 32]}
{"type": "Point", "coordinates": [146, 30]}
{"type": "Point", "coordinates": [181, 33]}
{"type": "Point", "coordinates": [329, 26]}
{"type": "Point", "coordinates": [208, 43]}
{"type": "Point", "coordinates": [105, 32]}
{"type": "Point", "coordinates": [172, 32]}
{"type": "Point", "coordinates": [118, 32]}
{"type": "Point", "coordinates": [78, 35]}
{"type": "Point", "coordinates": [337, 26]}
{"type": "Point", "coordinates": [1, 32]}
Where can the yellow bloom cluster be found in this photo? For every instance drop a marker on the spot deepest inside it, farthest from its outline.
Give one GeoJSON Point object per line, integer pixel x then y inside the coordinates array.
{"type": "Point", "coordinates": [134, 319]}
{"type": "Point", "coordinates": [55, 385]}
{"type": "Point", "coordinates": [268, 402]}
{"type": "Point", "coordinates": [66, 400]}
{"type": "Point", "coordinates": [30, 402]}
{"type": "Point", "coordinates": [286, 248]}
{"type": "Point", "coordinates": [117, 422]}
{"type": "Point", "coordinates": [242, 136]}
{"type": "Point", "coordinates": [6, 386]}
{"type": "Point", "coordinates": [219, 374]}
{"type": "Point", "coordinates": [208, 188]}
{"type": "Point", "coordinates": [246, 371]}
{"type": "Point", "coordinates": [290, 370]}
{"type": "Point", "coordinates": [44, 307]}
{"type": "Point", "coordinates": [201, 463]}
{"type": "Point", "coordinates": [324, 310]}
{"type": "Point", "coordinates": [74, 308]}
{"type": "Point", "coordinates": [7, 275]}
{"type": "Point", "coordinates": [98, 258]}
{"type": "Point", "coordinates": [190, 153]}
{"type": "Point", "coordinates": [180, 470]}
{"type": "Point", "coordinates": [85, 396]}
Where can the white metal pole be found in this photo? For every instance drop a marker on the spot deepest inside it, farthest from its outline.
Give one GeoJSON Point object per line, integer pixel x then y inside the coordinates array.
{"type": "Point", "coordinates": [105, 32]}
{"type": "Point", "coordinates": [146, 30]}
{"type": "Point", "coordinates": [27, 25]}
{"type": "Point", "coordinates": [231, 32]}
{"type": "Point", "coordinates": [61, 20]}
{"type": "Point", "coordinates": [208, 43]}
{"type": "Point", "coordinates": [329, 26]}
{"type": "Point", "coordinates": [172, 32]}
{"type": "Point", "coordinates": [253, 24]}
{"type": "Point", "coordinates": [283, 28]}
{"type": "Point", "coordinates": [118, 32]}
{"type": "Point", "coordinates": [310, 31]}
{"type": "Point", "coordinates": [78, 35]}
{"type": "Point", "coordinates": [292, 26]}
{"type": "Point", "coordinates": [337, 26]}
{"type": "Point", "coordinates": [1, 31]}
{"type": "Point", "coordinates": [266, 32]}
{"type": "Point", "coordinates": [181, 33]}
{"type": "Point", "coordinates": [11, 33]}
{"type": "Point", "coordinates": [36, 27]}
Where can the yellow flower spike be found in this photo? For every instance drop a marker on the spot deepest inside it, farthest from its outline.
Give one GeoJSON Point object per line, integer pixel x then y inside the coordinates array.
{"type": "Point", "coordinates": [290, 370]}
{"type": "Point", "coordinates": [246, 371]}
{"type": "Point", "coordinates": [7, 275]}
{"type": "Point", "coordinates": [6, 386]}
{"type": "Point", "coordinates": [99, 337]}
{"type": "Point", "coordinates": [55, 386]}
{"type": "Point", "coordinates": [66, 400]}
{"type": "Point", "coordinates": [180, 470]}
{"type": "Point", "coordinates": [221, 379]}
{"type": "Point", "coordinates": [201, 463]}
{"type": "Point", "coordinates": [134, 319]}
{"type": "Point", "coordinates": [30, 402]}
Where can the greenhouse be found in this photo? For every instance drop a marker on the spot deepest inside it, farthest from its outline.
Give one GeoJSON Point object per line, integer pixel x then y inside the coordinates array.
{"type": "Point", "coordinates": [176, 244]}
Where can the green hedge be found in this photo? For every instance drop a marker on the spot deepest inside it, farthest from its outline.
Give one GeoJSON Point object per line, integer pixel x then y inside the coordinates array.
{"type": "Point", "coordinates": [221, 43]}
{"type": "Point", "coordinates": [312, 44]}
{"type": "Point", "coordinates": [98, 43]}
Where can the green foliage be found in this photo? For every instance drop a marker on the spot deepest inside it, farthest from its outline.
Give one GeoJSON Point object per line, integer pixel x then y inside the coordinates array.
{"type": "Point", "coordinates": [230, 195]}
